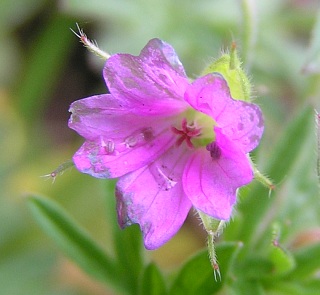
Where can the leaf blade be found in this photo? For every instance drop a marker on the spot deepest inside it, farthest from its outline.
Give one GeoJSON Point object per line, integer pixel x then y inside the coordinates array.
{"type": "Point", "coordinates": [152, 281]}
{"type": "Point", "coordinates": [73, 240]}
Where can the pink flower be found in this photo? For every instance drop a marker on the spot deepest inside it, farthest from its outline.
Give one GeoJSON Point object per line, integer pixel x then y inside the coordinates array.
{"type": "Point", "coordinates": [173, 144]}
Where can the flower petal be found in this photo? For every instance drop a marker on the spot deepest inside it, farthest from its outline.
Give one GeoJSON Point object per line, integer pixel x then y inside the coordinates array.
{"type": "Point", "coordinates": [153, 197]}
{"type": "Point", "coordinates": [108, 158]}
{"type": "Point", "coordinates": [152, 83]}
{"type": "Point", "coordinates": [241, 121]}
{"type": "Point", "coordinates": [211, 183]}
{"type": "Point", "coordinates": [104, 116]}
{"type": "Point", "coordinates": [118, 141]}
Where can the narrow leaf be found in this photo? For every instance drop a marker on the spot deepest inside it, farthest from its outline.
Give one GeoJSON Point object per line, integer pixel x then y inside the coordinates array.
{"type": "Point", "coordinates": [152, 281]}
{"type": "Point", "coordinates": [307, 262]}
{"type": "Point", "coordinates": [256, 204]}
{"type": "Point", "coordinates": [247, 287]}
{"type": "Point", "coordinates": [73, 240]}
{"type": "Point", "coordinates": [127, 247]}
{"type": "Point", "coordinates": [282, 260]}
{"type": "Point", "coordinates": [45, 62]}
{"type": "Point", "coordinates": [294, 287]}
{"type": "Point", "coordinates": [312, 63]}
{"type": "Point", "coordinates": [253, 268]}
{"type": "Point", "coordinates": [197, 276]}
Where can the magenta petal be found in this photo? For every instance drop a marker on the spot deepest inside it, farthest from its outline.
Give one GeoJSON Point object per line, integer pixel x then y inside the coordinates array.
{"type": "Point", "coordinates": [154, 198]}
{"type": "Point", "coordinates": [152, 83]}
{"type": "Point", "coordinates": [211, 183]}
{"type": "Point", "coordinates": [117, 141]}
{"type": "Point", "coordinates": [104, 116]}
{"type": "Point", "coordinates": [108, 158]}
{"type": "Point", "coordinates": [241, 121]}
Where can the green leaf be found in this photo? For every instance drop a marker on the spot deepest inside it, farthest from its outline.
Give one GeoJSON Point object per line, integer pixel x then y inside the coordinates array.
{"type": "Point", "coordinates": [256, 204]}
{"type": "Point", "coordinates": [74, 241]}
{"type": "Point", "coordinates": [196, 276]}
{"type": "Point", "coordinates": [295, 287]}
{"type": "Point", "coordinates": [311, 287]}
{"type": "Point", "coordinates": [152, 281]}
{"type": "Point", "coordinates": [283, 261]}
{"type": "Point", "coordinates": [312, 63]}
{"type": "Point", "coordinates": [127, 247]}
{"type": "Point", "coordinates": [253, 268]}
{"type": "Point", "coordinates": [307, 262]}
{"type": "Point", "coordinates": [247, 287]}
{"type": "Point", "coordinates": [45, 62]}
{"type": "Point", "coordinates": [249, 30]}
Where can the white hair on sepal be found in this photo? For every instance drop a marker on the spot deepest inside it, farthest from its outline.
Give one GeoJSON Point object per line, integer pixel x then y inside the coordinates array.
{"type": "Point", "coordinates": [91, 45]}
{"type": "Point", "coordinates": [59, 170]}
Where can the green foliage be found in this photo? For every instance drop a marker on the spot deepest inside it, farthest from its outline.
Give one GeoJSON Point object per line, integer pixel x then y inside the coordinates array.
{"type": "Point", "coordinates": [197, 276]}
{"type": "Point", "coordinates": [152, 282]}
{"type": "Point", "coordinates": [280, 164]}
{"type": "Point", "coordinates": [73, 240]}
{"type": "Point", "coordinates": [45, 63]}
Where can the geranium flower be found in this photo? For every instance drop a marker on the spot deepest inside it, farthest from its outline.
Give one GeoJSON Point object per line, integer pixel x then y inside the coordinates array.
{"type": "Point", "coordinates": [172, 144]}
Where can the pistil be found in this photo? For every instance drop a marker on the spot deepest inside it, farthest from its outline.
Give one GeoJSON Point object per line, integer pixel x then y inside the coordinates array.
{"type": "Point", "coordinates": [186, 133]}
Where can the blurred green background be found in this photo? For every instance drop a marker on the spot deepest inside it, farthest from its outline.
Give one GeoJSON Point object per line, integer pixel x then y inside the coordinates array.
{"type": "Point", "coordinates": [44, 68]}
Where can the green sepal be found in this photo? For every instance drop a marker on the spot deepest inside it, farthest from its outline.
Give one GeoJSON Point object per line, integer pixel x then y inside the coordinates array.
{"type": "Point", "coordinates": [264, 180]}
{"type": "Point", "coordinates": [210, 224]}
{"type": "Point", "coordinates": [230, 67]}
{"type": "Point", "coordinates": [214, 228]}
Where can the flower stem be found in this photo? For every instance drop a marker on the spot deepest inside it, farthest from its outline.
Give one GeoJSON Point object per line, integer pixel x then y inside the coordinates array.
{"type": "Point", "coordinates": [213, 228]}
{"type": "Point", "coordinates": [249, 15]}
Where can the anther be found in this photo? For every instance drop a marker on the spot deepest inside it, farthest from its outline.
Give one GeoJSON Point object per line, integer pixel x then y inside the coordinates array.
{"type": "Point", "coordinates": [214, 149]}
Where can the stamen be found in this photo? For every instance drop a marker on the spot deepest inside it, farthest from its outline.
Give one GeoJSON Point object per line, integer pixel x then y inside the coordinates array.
{"type": "Point", "coordinates": [214, 149]}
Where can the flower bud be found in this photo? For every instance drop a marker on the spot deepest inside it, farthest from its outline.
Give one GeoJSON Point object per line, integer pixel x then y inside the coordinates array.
{"type": "Point", "coordinates": [230, 67]}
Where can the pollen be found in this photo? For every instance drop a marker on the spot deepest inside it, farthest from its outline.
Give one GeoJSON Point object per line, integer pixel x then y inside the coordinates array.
{"type": "Point", "coordinates": [214, 149]}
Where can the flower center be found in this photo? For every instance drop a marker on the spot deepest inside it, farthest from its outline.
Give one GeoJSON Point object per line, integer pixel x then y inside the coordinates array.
{"type": "Point", "coordinates": [186, 133]}
{"type": "Point", "coordinates": [196, 129]}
